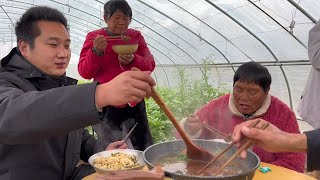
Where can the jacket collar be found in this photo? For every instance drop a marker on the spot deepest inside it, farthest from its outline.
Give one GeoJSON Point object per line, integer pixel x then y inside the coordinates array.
{"type": "Point", "coordinates": [15, 63]}
{"type": "Point", "coordinates": [261, 111]}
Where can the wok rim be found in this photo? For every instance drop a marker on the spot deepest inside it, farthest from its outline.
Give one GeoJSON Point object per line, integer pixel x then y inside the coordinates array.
{"type": "Point", "coordinates": [205, 177]}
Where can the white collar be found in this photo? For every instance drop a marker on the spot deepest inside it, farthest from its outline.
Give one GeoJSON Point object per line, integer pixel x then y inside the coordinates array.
{"type": "Point", "coordinates": [262, 110]}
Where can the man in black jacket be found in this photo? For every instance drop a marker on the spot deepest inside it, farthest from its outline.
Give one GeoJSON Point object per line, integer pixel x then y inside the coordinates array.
{"type": "Point", "coordinates": [273, 139]}
{"type": "Point", "coordinates": [43, 112]}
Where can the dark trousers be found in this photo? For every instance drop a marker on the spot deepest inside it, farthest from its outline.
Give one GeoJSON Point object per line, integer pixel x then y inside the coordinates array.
{"type": "Point", "coordinates": [82, 171]}
{"type": "Point", "coordinates": [110, 129]}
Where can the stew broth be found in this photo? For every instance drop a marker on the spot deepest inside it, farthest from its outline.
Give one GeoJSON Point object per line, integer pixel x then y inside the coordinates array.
{"type": "Point", "coordinates": [180, 164]}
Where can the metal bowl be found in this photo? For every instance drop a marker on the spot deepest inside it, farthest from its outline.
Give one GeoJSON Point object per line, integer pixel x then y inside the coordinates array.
{"type": "Point", "coordinates": [125, 49]}
{"type": "Point", "coordinates": [136, 153]}
{"type": "Point", "coordinates": [249, 165]}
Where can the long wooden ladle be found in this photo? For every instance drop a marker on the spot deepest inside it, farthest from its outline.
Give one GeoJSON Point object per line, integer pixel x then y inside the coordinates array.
{"type": "Point", "coordinates": [193, 152]}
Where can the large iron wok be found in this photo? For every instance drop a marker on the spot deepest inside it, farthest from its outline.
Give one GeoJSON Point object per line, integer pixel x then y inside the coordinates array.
{"type": "Point", "coordinates": [249, 165]}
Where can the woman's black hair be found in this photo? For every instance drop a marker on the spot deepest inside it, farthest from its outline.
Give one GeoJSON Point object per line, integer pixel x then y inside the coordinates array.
{"type": "Point", "coordinates": [253, 72]}
{"type": "Point", "coordinates": [27, 28]}
{"type": "Point", "coordinates": [111, 6]}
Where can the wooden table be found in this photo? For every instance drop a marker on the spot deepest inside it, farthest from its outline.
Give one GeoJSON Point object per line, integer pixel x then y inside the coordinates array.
{"type": "Point", "coordinates": [280, 173]}
{"type": "Point", "coordinates": [276, 173]}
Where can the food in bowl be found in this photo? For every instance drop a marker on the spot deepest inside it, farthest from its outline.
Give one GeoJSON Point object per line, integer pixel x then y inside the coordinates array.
{"type": "Point", "coordinates": [125, 49]}
{"type": "Point", "coordinates": [116, 161]}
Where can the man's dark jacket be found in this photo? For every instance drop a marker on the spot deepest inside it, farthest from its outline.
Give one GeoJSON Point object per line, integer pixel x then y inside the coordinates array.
{"type": "Point", "coordinates": [41, 122]}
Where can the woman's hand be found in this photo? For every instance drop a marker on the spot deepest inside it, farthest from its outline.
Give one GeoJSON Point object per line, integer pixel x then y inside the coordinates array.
{"type": "Point", "coordinates": [100, 44]}
{"type": "Point", "coordinates": [193, 124]}
{"type": "Point", "coordinates": [117, 145]}
{"type": "Point", "coordinates": [125, 59]}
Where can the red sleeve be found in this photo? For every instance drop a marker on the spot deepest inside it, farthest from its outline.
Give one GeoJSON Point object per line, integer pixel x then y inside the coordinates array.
{"type": "Point", "coordinates": [90, 63]}
{"type": "Point", "coordinates": [294, 161]}
{"type": "Point", "coordinates": [143, 58]}
{"type": "Point", "coordinates": [208, 115]}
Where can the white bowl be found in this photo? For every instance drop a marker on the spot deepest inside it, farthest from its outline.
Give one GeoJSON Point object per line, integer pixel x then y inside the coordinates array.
{"type": "Point", "coordinates": [136, 153]}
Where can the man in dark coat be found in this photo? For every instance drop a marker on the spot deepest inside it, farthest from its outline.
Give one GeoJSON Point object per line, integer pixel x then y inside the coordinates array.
{"type": "Point", "coordinates": [43, 112]}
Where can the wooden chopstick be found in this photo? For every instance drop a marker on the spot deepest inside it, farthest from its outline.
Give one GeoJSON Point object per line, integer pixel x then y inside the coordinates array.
{"type": "Point", "coordinates": [216, 131]}
{"type": "Point", "coordinates": [223, 151]}
{"type": "Point", "coordinates": [245, 146]}
{"type": "Point", "coordinates": [123, 37]}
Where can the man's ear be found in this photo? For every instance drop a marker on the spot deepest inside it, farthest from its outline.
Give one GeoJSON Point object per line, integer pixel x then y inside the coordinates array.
{"type": "Point", "coordinates": [24, 48]}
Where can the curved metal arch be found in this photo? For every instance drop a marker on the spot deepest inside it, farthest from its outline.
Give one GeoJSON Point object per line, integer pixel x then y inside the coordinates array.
{"type": "Point", "coordinates": [79, 22]}
{"type": "Point", "coordinates": [211, 29]}
{"type": "Point", "coordinates": [7, 15]}
{"type": "Point", "coordinates": [295, 37]}
{"type": "Point", "coordinates": [161, 53]}
{"type": "Point", "coordinates": [160, 12]}
{"type": "Point", "coordinates": [74, 27]}
{"type": "Point", "coordinates": [166, 29]}
{"type": "Point", "coordinates": [260, 40]}
{"type": "Point", "coordinates": [293, 3]}
{"type": "Point", "coordinates": [22, 2]}
{"type": "Point", "coordinates": [155, 77]}
{"type": "Point", "coordinates": [165, 72]}
{"type": "Point", "coordinates": [76, 23]}
{"type": "Point", "coordinates": [146, 35]}
{"type": "Point", "coordinates": [160, 63]}
{"type": "Point", "coordinates": [169, 41]}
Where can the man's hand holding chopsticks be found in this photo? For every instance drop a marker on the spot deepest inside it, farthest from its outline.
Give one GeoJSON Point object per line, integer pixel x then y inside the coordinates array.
{"type": "Point", "coordinates": [271, 139]}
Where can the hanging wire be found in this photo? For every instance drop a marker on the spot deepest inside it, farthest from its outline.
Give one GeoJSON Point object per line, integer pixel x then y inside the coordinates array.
{"type": "Point", "coordinates": [270, 9]}
{"type": "Point", "coordinates": [293, 22]}
{"type": "Point", "coordinates": [295, 11]}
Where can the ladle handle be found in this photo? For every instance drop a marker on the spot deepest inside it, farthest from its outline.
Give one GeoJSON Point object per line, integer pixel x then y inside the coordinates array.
{"type": "Point", "coordinates": [155, 95]}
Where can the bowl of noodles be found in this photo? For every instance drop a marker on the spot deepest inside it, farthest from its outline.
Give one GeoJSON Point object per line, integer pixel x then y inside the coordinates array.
{"type": "Point", "coordinates": [117, 160]}
{"type": "Point", "coordinates": [125, 49]}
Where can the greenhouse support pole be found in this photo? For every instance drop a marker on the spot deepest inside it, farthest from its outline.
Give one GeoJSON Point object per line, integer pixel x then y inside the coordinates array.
{"type": "Point", "coordinates": [261, 41]}
{"type": "Point", "coordinates": [302, 11]}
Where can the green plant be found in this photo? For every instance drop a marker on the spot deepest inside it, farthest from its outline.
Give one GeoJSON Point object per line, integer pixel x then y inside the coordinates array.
{"type": "Point", "coordinates": [183, 100]}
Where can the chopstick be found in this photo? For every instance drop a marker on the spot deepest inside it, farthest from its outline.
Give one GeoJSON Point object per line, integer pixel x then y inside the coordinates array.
{"type": "Point", "coordinates": [243, 147]}
{"type": "Point", "coordinates": [225, 136]}
{"type": "Point", "coordinates": [122, 37]}
{"type": "Point", "coordinates": [129, 133]}
{"type": "Point", "coordinates": [223, 151]}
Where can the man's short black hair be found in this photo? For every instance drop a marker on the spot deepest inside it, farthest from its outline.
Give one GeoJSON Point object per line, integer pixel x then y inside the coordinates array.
{"type": "Point", "coordinates": [111, 6]}
{"type": "Point", "coordinates": [27, 28]}
{"type": "Point", "coordinates": [253, 72]}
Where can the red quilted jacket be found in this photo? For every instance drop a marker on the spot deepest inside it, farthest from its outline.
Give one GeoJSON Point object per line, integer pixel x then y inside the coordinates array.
{"type": "Point", "coordinates": [217, 114]}
{"type": "Point", "coordinates": [105, 68]}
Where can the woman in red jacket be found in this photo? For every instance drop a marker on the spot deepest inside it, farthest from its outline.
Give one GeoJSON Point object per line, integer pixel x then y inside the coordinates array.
{"type": "Point", "coordinates": [250, 99]}
{"type": "Point", "coordinates": [100, 62]}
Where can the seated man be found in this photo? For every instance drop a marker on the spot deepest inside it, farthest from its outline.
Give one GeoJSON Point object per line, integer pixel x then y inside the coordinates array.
{"type": "Point", "coordinates": [43, 112]}
{"type": "Point", "coordinates": [249, 100]}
